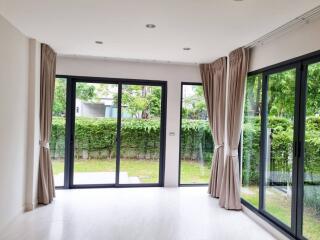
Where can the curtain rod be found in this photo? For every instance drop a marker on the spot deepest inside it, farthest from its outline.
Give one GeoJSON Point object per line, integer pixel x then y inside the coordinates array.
{"type": "Point", "coordinates": [302, 19]}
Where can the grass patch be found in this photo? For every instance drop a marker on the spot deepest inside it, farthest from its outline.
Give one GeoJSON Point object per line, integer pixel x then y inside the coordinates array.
{"type": "Point", "coordinates": [251, 195]}
{"type": "Point", "coordinates": [193, 172]}
{"type": "Point", "coordinates": [280, 207]}
{"type": "Point", "coordinates": [146, 170]}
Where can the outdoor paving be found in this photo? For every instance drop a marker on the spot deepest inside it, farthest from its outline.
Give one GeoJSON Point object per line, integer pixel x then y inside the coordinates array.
{"type": "Point", "coordinates": [96, 178]}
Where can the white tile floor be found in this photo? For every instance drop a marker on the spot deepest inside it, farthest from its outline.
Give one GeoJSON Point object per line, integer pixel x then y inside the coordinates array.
{"type": "Point", "coordinates": [134, 214]}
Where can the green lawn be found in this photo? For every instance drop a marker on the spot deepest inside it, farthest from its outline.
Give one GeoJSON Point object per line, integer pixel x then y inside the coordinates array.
{"type": "Point", "coordinates": [193, 172]}
{"type": "Point", "coordinates": [280, 207]}
{"type": "Point", "coordinates": [146, 170]}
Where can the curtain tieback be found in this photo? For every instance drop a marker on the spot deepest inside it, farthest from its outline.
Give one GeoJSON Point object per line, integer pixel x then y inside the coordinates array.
{"type": "Point", "coordinates": [234, 152]}
{"type": "Point", "coordinates": [44, 144]}
{"type": "Point", "coordinates": [217, 146]}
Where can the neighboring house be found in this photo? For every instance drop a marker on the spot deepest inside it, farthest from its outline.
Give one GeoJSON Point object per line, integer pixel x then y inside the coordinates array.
{"type": "Point", "coordinates": [104, 108]}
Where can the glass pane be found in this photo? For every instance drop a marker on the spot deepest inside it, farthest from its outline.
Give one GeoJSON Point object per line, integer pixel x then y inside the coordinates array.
{"type": "Point", "coordinates": [251, 140]}
{"type": "Point", "coordinates": [311, 207]}
{"type": "Point", "coordinates": [57, 140]}
{"type": "Point", "coordinates": [280, 123]}
{"type": "Point", "coordinates": [196, 139]}
{"type": "Point", "coordinates": [140, 134]}
{"type": "Point", "coordinates": [95, 133]}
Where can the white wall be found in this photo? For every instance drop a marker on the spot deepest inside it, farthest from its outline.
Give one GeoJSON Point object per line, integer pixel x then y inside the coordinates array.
{"type": "Point", "coordinates": [300, 40]}
{"type": "Point", "coordinates": [33, 124]}
{"type": "Point", "coordinates": [14, 63]}
{"type": "Point", "coordinates": [173, 74]}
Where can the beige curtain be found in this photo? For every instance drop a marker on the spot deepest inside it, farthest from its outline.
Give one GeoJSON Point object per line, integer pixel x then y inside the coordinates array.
{"type": "Point", "coordinates": [214, 87]}
{"type": "Point", "coordinates": [46, 191]}
{"type": "Point", "coordinates": [230, 188]}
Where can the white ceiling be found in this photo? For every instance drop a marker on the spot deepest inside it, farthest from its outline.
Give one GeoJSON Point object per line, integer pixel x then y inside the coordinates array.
{"type": "Point", "coordinates": [211, 28]}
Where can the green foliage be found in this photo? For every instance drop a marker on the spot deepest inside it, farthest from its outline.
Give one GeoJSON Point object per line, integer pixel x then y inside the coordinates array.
{"type": "Point", "coordinates": [313, 95]}
{"type": "Point", "coordinates": [84, 92]}
{"type": "Point", "coordinates": [59, 103]}
{"type": "Point", "coordinates": [281, 146]}
{"type": "Point", "coordinates": [154, 102]}
{"type": "Point", "coordinates": [194, 106]}
{"type": "Point", "coordinates": [281, 98]}
{"type": "Point", "coordinates": [141, 101]}
{"type": "Point", "coordinates": [196, 140]}
{"type": "Point", "coordinates": [57, 141]}
{"type": "Point", "coordinates": [140, 138]}
{"type": "Point", "coordinates": [253, 95]}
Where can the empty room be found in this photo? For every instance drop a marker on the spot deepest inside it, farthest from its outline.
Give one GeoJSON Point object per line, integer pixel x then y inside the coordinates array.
{"type": "Point", "coordinates": [159, 120]}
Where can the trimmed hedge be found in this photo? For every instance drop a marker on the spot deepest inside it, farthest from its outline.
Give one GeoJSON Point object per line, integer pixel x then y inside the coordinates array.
{"type": "Point", "coordinates": [281, 147]}
{"type": "Point", "coordinates": [140, 139]}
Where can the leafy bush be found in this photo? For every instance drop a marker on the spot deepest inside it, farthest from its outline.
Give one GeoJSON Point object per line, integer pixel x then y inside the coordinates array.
{"type": "Point", "coordinates": [196, 140]}
{"type": "Point", "coordinates": [96, 138]}
{"type": "Point", "coordinates": [281, 147]}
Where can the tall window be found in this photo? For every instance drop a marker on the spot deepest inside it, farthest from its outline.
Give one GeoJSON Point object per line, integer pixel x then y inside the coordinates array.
{"type": "Point", "coordinates": [251, 140]}
{"type": "Point", "coordinates": [196, 144]}
{"type": "Point", "coordinates": [57, 141]}
{"type": "Point", "coordinates": [311, 199]}
{"type": "Point", "coordinates": [279, 139]}
{"type": "Point", "coordinates": [281, 147]}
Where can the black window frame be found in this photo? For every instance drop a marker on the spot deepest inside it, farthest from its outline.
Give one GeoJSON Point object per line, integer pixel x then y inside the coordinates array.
{"type": "Point", "coordinates": [301, 64]}
{"type": "Point", "coordinates": [180, 135]}
{"type": "Point", "coordinates": [70, 121]}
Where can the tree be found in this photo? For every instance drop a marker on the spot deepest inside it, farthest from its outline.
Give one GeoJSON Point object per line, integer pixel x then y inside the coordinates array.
{"type": "Point", "coordinates": [194, 106]}
{"type": "Point", "coordinates": [281, 94]}
{"type": "Point", "coordinates": [313, 94]}
{"type": "Point", "coordinates": [84, 91]}
{"type": "Point", "coordinates": [154, 101]}
{"type": "Point", "coordinates": [141, 101]}
{"type": "Point", "coordinates": [253, 95]}
{"type": "Point", "coordinates": [59, 102]}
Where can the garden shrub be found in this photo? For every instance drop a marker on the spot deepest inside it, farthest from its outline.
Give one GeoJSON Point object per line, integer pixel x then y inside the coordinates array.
{"type": "Point", "coordinates": [196, 140]}
{"type": "Point", "coordinates": [140, 139]}
{"type": "Point", "coordinates": [281, 137]}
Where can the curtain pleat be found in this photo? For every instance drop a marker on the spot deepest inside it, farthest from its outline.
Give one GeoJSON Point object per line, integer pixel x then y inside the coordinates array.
{"type": "Point", "coordinates": [214, 86]}
{"type": "Point", "coordinates": [46, 190]}
{"type": "Point", "coordinates": [230, 187]}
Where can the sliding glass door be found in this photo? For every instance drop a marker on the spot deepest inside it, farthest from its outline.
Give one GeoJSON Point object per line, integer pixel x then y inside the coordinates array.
{"type": "Point", "coordinates": [251, 140]}
{"type": "Point", "coordinates": [196, 144]}
{"type": "Point", "coordinates": [58, 131]}
{"type": "Point", "coordinates": [281, 147]}
{"type": "Point", "coordinates": [310, 156]}
{"type": "Point", "coordinates": [95, 133]}
{"type": "Point", "coordinates": [113, 131]}
{"type": "Point", "coordinates": [140, 134]}
{"type": "Point", "coordinates": [278, 142]}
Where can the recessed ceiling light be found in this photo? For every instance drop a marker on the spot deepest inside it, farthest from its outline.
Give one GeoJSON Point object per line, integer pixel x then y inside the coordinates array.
{"type": "Point", "coordinates": [186, 49]}
{"type": "Point", "coordinates": [150, 25]}
{"type": "Point", "coordinates": [99, 42]}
